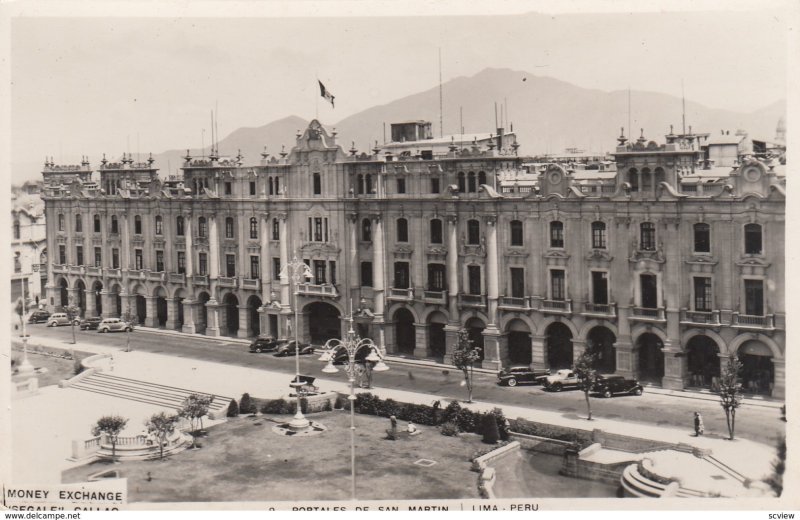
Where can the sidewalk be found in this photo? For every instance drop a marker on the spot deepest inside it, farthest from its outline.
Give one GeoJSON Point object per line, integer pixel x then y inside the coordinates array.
{"type": "Point", "coordinates": [234, 380]}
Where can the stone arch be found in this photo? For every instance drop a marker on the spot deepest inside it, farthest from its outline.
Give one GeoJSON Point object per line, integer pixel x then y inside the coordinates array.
{"type": "Point", "coordinates": [466, 316]}
{"type": "Point", "coordinates": [323, 321]}
{"type": "Point", "coordinates": [508, 318]}
{"type": "Point", "coordinates": [475, 325]}
{"type": "Point", "coordinates": [138, 289]}
{"type": "Point", "coordinates": [600, 341]}
{"type": "Point", "coordinates": [230, 311]}
{"type": "Point", "coordinates": [178, 295]}
{"type": "Point", "coordinates": [253, 317]}
{"type": "Point", "coordinates": [558, 344]}
{"type": "Point", "coordinates": [425, 317]}
{"type": "Point", "coordinates": [648, 345]}
{"type": "Point", "coordinates": [436, 320]}
{"type": "Point", "coordinates": [702, 360]}
{"type": "Point", "coordinates": [399, 305]}
{"type": "Point", "coordinates": [737, 342]}
{"type": "Point", "coordinates": [63, 292]}
{"type": "Point", "coordinates": [97, 287]}
{"type": "Point", "coordinates": [589, 325]}
{"type": "Point", "coordinates": [689, 334]}
{"type": "Point", "coordinates": [758, 366]}
{"type": "Point", "coordinates": [643, 329]}
{"type": "Point", "coordinates": [518, 338]}
{"type": "Point", "coordinates": [549, 321]}
{"type": "Point", "coordinates": [201, 322]}
{"type": "Point", "coordinates": [160, 294]}
{"type": "Point", "coordinates": [404, 333]}
{"type": "Point", "coordinates": [80, 291]}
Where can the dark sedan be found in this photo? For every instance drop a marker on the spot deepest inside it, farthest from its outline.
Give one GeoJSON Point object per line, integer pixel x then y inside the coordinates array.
{"type": "Point", "coordinates": [519, 375]}
{"type": "Point", "coordinates": [90, 323]}
{"type": "Point", "coordinates": [288, 349]}
{"type": "Point", "coordinates": [264, 345]}
{"type": "Point", "coordinates": [38, 317]}
{"type": "Point", "coordinates": [610, 385]}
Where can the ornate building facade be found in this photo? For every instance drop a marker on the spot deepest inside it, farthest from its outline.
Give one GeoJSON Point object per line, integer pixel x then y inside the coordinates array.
{"type": "Point", "coordinates": [664, 270]}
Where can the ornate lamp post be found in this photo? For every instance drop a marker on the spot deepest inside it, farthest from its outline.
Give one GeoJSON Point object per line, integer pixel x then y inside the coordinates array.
{"type": "Point", "coordinates": [25, 367]}
{"type": "Point", "coordinates": [352, 344]}
{"type": "Point", "coordinates": [297, 270]}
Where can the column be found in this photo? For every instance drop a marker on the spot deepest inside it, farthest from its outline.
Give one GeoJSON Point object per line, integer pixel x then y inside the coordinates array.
{"type": "Point", "coordinates": [492, 279]}
{"type": "Point", "coordinates": [492, 340]}
{"type": "Point", "coordinates": [627, 356]}
{"type": "Point", "coordinates": [244, 322]}
{"type": "Point", "coordinates": [72, 297]}
{"type": "Point", "coordinates": [124, 302]}
{"type": "Point", "coordinates": [187, 230]}
{"type": "Point", "coordinates": [450, 341]}
{"type": "Point", "coordinates": [151, 320]}
{"type": "Point", "coordinates": [90, 303]}
{"type": "Point", "coordinates": [672, 288]}
{"type": "Point", "coordinates": [286, 302]}
{"type": "Point", "coordinates": [538, 353]}
{"type": "Point", "coordinates": [354, 266]}
{"type": "Point", "coordinates": [212, 311]}
{"type": "Point", "coordinates": [105, 297]}
{"type": "Point", "coordinates": [172, 314]}
{"type": "Point", "coordinates": [189, 308]}
{"type": "Point", "coordinates": [779, 383]}
{"type": "Point", "coordinates": [578, 347]}
{"type": "Point", "coordinates": [421, 340]}
{"type": "Point", "coordinates": [379, 282]}
{"type": "Point", "coordinates": [265, 261]}
{"type": "Point", "coordinates": [125, 240]}
{"type": "Point", "coordinates": [452, 268]}
{"type": "Point", "coordinates": [52, 257]}
{"type": "Point", "coordinates": [213, 248]}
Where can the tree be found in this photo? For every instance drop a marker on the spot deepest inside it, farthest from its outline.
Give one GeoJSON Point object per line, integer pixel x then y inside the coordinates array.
{"type": "Point", "coordinates": [775, 480]}
{"type": "Point", "coordinates": [194, 408]}
{"type": "Point", "coordinates": [491, 434]}
{"type": "Point", "coordinates": [161, 425]}
{"type": "Point", "coordinates": [246, 404]}
{"type": "Point", "coordinates": [730, 392]}
{"type": "Point", "coordinates": [464, 357]}
{"type": "Point", "coordinates": [21, 308]}
{"type": "Point", "coordinates": [73, 312]}
{"type": "Point", "coordinates": [587, 376]}
{"type": "Point", "coordinates": [111, 425]}
{"type": "Point", "coordinates": [128, 318]}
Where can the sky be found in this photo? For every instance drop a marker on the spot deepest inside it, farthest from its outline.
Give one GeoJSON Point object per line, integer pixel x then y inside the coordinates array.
{"type": "Point", "coordinates": [110, 83]}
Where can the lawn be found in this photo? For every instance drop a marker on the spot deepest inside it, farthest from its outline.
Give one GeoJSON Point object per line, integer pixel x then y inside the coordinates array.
{"type": "Point", "coordinates": [243, 460]}
{"type": "Point", "coordinates": [57, 368]}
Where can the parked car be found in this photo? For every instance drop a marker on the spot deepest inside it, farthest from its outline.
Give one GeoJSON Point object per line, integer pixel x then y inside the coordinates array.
{"type": "Point", "coordinates": [90, 323]}
{"type": "Point", "coordinates": [264, 345]}
{"type": "Point", "coordinates": [60, 318]}
{"type": "Point", "coordinates": [514, 375]}
{"type": "Point", "coordinates": [564, 378]}
{"type": "Point", "coordinates": [608, 385]}
{"type": "Point", "coordinates": [114, 325]}
{"type": "Point", "coordinates": [38, 317]}
{"type": "Point", "coordinates": [288, 349]}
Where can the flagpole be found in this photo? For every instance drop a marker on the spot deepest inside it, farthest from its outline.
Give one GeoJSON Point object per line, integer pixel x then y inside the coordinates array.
{"type": "Point", "coordinates": [316, 101]}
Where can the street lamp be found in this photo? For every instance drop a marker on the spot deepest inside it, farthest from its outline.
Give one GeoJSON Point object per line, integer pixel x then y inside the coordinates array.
{"type": "Point", "coordinates": [25, 367]}
{"type": "Point", "coordinates": [297, 270]}
{"type": "Point", "coordinates": [352, 344]}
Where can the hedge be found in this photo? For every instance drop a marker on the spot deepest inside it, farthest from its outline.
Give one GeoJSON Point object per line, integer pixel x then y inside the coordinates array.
{"type": "Point", "coordinates": [466, 420]}
{"type": "Point", "coordinates": [550, 431]}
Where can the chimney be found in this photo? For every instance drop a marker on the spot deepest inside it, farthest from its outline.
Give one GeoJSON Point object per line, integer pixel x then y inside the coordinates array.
{"type": "Point", "coordinates": [500, 133]}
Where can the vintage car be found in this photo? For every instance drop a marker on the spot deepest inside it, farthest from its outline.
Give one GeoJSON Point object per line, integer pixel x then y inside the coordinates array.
{"type": "Point", "coordinates": [61, 318]}
{"type": "Point", "coordinates": [90, 323]}
{"type": "Point", "coordinates": [564, 378]}
{"type": "Point", "coordinates": [522, 375]}
{"type": "Point", "coordinates": [114, 325]}
{"type": "Point", "coordinates": [264, 344]}
{"type": "Point", "coordinates": [288, 349]}
{"type": "Point", "coordinates": [608, 385]}
{"type": "Point", "coordinates": [38, 317]}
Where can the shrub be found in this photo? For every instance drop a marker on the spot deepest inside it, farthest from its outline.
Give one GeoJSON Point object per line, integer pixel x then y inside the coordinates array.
{"type": "Point", "coordinates": [501, 423]}
{"type": "Point", "coordinates": [468, 420]}
{"type": "Point", "coordinates": [449, 429]}
{"type": "Point", "coordinates": [246, 404]}
{"type": "Point", "coordinates": [277, 407]}
{"type": "Point", "coordinates": [451, 411]}
{"type": "Point", "coordinates": [581, 437]}
{"type": "Point", "coordinates": [490, 432]}
{"type": "Point", "coordinates": [304, 405]}
{"type": "Point", "coordinates": [340, 402]}
{"type": "Point", "coordinates": [77, 366]}
{"type": "Point", "coordinates": [233, 409]}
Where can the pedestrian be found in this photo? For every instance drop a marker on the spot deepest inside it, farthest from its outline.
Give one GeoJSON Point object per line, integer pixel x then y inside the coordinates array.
{"type": "Point", "coordinates": [699, 428]}
{"type": "Point", "coordinates": [412, 430]}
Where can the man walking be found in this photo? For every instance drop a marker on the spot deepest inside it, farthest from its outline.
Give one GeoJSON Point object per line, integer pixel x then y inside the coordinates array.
{"type": "Point", "coordinates": [699, 428]}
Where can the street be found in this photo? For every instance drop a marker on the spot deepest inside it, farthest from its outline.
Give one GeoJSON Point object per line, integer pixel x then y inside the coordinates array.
{"type": "Point", "coordinates": [757, 423]}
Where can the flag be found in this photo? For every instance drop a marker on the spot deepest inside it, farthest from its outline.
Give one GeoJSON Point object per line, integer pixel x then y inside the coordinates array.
{"type": "Point", "coordinates": [325, 93]}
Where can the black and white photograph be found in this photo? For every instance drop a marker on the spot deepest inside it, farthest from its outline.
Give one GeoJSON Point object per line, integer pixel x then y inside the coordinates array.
{"type": "Point", "coordinates": [522, 257]}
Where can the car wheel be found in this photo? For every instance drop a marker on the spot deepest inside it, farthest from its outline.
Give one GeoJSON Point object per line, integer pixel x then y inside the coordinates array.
{"type": "Point", "coordinates": [607, 393]}
{"type": "Point", "coordinates": [258, 349]}
{"type": "Point", "coordinates": [512, 382]}
{"type": "Point", "coordinates": [557, 387]}
{"type": "Point", "coordinates": [638, 391]}
{"type": "Point", "coordinates": [128, 329]}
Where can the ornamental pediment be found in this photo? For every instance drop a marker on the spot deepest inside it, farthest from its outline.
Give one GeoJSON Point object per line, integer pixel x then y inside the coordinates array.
{"type": "Point", "coordinates": [319, 248]}
{"type": "Point", "coordinates": [702, 260]}
{"type": "Point", "coordinates": [752, 261]}
{"type": "Point", "coordinates": [554, 253]}
{"type": "Point", "coordinates": [599, 255]}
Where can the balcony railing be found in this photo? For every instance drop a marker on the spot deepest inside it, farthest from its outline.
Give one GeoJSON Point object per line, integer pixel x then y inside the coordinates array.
{"type": "Point", "coordinates": [75, 269]}
{"type": "Point", "coordinates": [514, 302]}
{"type": "Point", "coordinates": [310, 289]}
{"type": "Point", "coordinates": [113, 272]}
{"type": "Point", "coordinates": [156, 276]}
{"type": "Point", "coordinates": [94, 271]}
{"type": "Point", "coordinates": [435, 296]}
{"type": "Point", "coordinates": [251, 283]}
{"type": "Point", "coordinates": [472, 300]}
{"type": "Point", "coordinates": [699, 317]}
{"type": "Point", "coordinates": [557, 306]}
{"type": "Point", "coordinates": [401, 294]}
{"type": "Point", "coordinates": [200, 279]}
{"type": "Point", "coordinates": [648, 314]}
{"type": "Point", "coordinates": [227, 281]}
{"type": "Point", "coordinates": [59, 268]}
{"type": "Point", "coordinates": [600, 309]}
{"type": "Point", "coordinates": [745, 321]}
{"type": "Point", "coordinates": [177, 278]}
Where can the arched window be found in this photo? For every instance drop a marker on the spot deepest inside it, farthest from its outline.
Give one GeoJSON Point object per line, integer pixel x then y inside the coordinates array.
{"type": "Point", "coordinates": [462, 185]}
{"type": "Point", "coordinates": [647, 236]}
{"type": "Point", "coordinates": [471, 182]}
{"type": "Point", "coordinates": [60, 222]}
{"type": "Point", "coordinates": [647, 180]}
{"type": "Point", "coordinates": [137, 225]}
{"type": "Point", "coordinates": [228, 227]}
{"type": "Point", "coordinates": [78, 223]}
{"type": "Point", "coordinates": [159, 225]}
{"type": "Point", "coordinates": [360, 184]}
{"type": "Point", "coordinates": [179, 225]}
{"type": "Point", "coordinates": [473, 232]}
{"type": "Point", "coordinates": [16, 230]}
{"type": "Point", "coordinates": [271, 189]}
{"type": "Point", "coordinates": [436, 231]}
{"type": "Point", "coordinates": [368, 183]}
{"type": "Point", "coordinates": [202, 227]}
{"type": "Point", "coordinates": [402, 230]}
{"type": "Point", "coordinates": [633, 179]}
{"type": "Point", "coordinates": [702, 238]}
{"type": "Point", "coordinates": [277, 186]}
{"type": "Point", "coordinates": [114, 224]}
{"type": "Point", "coordinates": [253, 228]}
{"type": "Point", "coordinates": [556, 234]}
{"type": "Point", "coordinates": [753, 239]}
{"type": "Point", "coordinates": [598, 235]}
{"type": "Point", "coordinates": [276, 229]}
{"type": "Point", "coordinates": [366, 230]}
{"type": "Point", "coordinates": [97, 223]}
{"type": "Point", "coordinates": [516, 232]}
{"type": "Point", "coordinates": [317, 183]}
{"type": "Point", "coordinates": [481, 178]}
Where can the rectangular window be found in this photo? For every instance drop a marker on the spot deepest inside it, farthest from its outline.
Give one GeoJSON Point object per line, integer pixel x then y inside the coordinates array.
{"type": "Point", "coordinates": [517, 282]}
{"type": "Point", "coordinates": [252, 187]}
{"type": "Point", "coordinates": [649, 287]}
{"type": "Point", "coordinates": [160, 261]}
{"type": "Point", "coordinates": [401, 275]}
{"type": "Point", "coordinates": [318, 229]}
{"type": "Point", "coordinates": [435, 185]}
{"type": "Point", "coordinates": [332, 265]}
{"type": "Point", "coordinates": [600, 287]}
{"type": "Point", "coordinates": [317, 184]}
{"type": "Point", "coordinates": [436, 231]}
{"type": "Point", "coordinates": [326, 229]}
{"type": "Point", "coordinates": [319, 272]}
{"type": "Point", "coordinates": [557, 234]}
{"type": "Point", "coordinates": [230, 266]}
{"type": "Point", "coordinates": [754, 297]}
{"type": "Point", "coordinates": [255, 271]}
{"type": "Point", "coordinates": [702, 238]}
{"type": "Point", "coordinates": [558, 287]}
{"type": "Point", "coordinates": [276, 229]}
{"type": "Point", "coordinates": [276, 268]}
{"type": "Point", "coordinates": [516, 232]}
{"type": "Point", "coordinates": [401, 185]}
{"type": "Point", "coordinates": [702, 293]}
{"type": "Point", "coordinates": [98, 257]}
{"type": "Point", "coordinates": [648, 236]}
{"type": "Point", "coordinates": [228, 188]}
{"type": "Point", "coordinates": [115, 258]}
{"type": "Point", "coordinates": [181, 262]}
{"type": "Point", "coordinates": [62, 254]}
{"type": "Point", "coordinates": [752, 239]}
{"type": "Point", "coordinates": [138, 259]}
{"type": "Point", "coordinates": [598, 235]}
{"type": "Point", "coordinates": [366, 274]}
{"type": "Point", "coordinates": [436, 277]}
{"type": "Point", "coordinates": [114, 225]}
{"type": "Point", "coordinates": [474, 279]}
{"type": "Point", "coordinates": [79, 255]}
{"type": "Point", "coordinates": [202, 263]}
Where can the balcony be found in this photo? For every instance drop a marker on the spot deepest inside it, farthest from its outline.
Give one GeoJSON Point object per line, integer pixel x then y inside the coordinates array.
{"type": "Point", "coordinates": [310, 289]}
{"type": "Point", "coordinates": [75, 269]}
{"type": "Point", "coordinates": [647, 314]}
{"type": "Point", "coordinates": [472, 300]}
{"type": "Point", "coordinates": [438, 297]}
{"type": "Point", "coordinates": [113, 272]}
{"type": "Point", "coordinates": [59, 268]}
{"type": "Point", "coordinates": [94, 271]}
{"type": "Point", "coordinates": [600, 310]}
{"type": "Point", "coordinates": [177, 278]}
{"type": "Point", "coordinates": [745, 321]}
{"type": "Point", "coordinates": [227, 281]}
{"type": "Point", "coordinates": [136, 273]}
{"type": "Point", "coordinates": [700, 318]}
{"type": "Point", "coordinates": [557, 306]}
{"type": "Point", "coordinates": [200, 279]}
{"type": "Point", "coordinates": [403, 295]}
{"type": "Point", "coordinates": [156, 276]}
{"type": "Point", "coordinates": [514, 302]}
{"type": "Point", "coordinates": [251, 283]}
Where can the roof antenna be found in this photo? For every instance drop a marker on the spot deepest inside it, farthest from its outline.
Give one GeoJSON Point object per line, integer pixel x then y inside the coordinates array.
{"type": "Point", "coordinates": [683, 100]}
{"type": "Point", "coordinates": [629, 109]}
{"type": "Point", "coordinates": [495, 114]}
{"type": "Point", "coordinates": [441, 123]}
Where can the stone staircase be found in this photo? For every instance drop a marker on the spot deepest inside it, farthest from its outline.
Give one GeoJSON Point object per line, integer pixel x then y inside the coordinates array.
{"type": "Point", "coordinates": [144, 392]}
